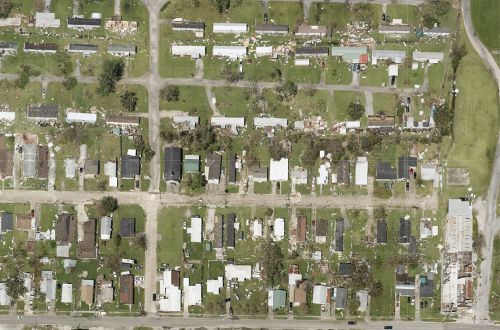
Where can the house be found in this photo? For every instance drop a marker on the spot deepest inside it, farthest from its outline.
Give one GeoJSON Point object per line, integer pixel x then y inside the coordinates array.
{"type": "Point", "coordinates": [233, 124]}
{"type": "Point", "coordinates": [257, 173]}
{"type": "Point", "coordinates": [92, 168]}
{"type": "Point", "coordinates": [393, 70]}
{"type": "Point", "coordinates": [321, 231]}
{"type": "Point", "coordinates": [340, 296]}
{"type": "Point", "coordinates": [43, 162]}
{"type": "Point", "coordinates": [431, 57]}
{"type": "Point", "coordinates": [87, 246]}
{"type": "Point", "coordinates": [87, 292]}
{"type": "Point", "coordinates": [339, 235]}
{"type": "Point", "coordinates": [6, 163]}
{"type": "Point", "coordinates": [67, 293]}
{"type": "Point", "coordinates": [131, 166]}
{"type": "Point", "coordinates": [80, 23]}
{"type": "Point", "coordinates": [170, 293]}
{"type": "Point", "coordinates": [405, 285]}
{"type": "Point", "coordinates": [256, 228]}
{"type": "Point", "coordinates": [183, 25]}
{"type": "Point", "coordinates": [62, 251]}
{"type": "Point", "coordinates": [276, 299]}
{"type": "Point", "coordinates": [219, 232]}
{"type": "Point", "coordinates": [172, 164]}
{"type": "Point", "coordinates": [458, 228]}
{"type": "Point", "coordinates": [65, 228]}
{"type": "Point", "coordinates": [40, 48]}
{"type": "Point", "coordinates": [80, 117]}
{"type": "Point", "coordinates": [263, 51]}
{"type": "Point", "coordinates": [352, 55]}
{"type": "Point", "coordinates": [396, 56]}
{"type": "Point", "coordinates": [70, 168]}
{"type": "Point", "coordinates": [7, 116]}
{"type": "Point", "coordinates": [298, 175]}
{"type": "Point", "coordinates": [407, 167]}
{"type": "Point", "coordinates": [428, 172]}
{"type": "Point", "coordinates": [381, 231]}
{"type": "Point", "coordinates": [279, 229]}
{"type": "Point", "coordinates": [426, 283]}
{"type": "Point", "coordinates": [273, 29]}
{"type": "Point", "coordinates": [321, 294]}
{"type": "Point", "coordinates": [305, 30]}
{"type": "Point", "coordinates": [213, 167]}
{"type": "Point", "coordinates": [10, 21]}
{"type": "Point", "coordinates": [231, 52]}
{"type": "Point", "coordinates": [436, 32]}
{"type": "Point", "coordinates": [214, 286]}
{"type": "Point", "coordinates": [191, 164]}
{"type": "Point", "coordinates": [230, 232]}
{"type": "Point", "coordinates": [23, 222]}
{"type": "Point", "coordinates": [301, 230]}
{"type": "Point", "coordinates": [381, 123]}
{"type": "Point", "coordinates": [29, 160]}
{"type": "Point", "coordinates": [127, 227]}
{"type": "Point", "coordinates": [195, 230]}
{"type": "Point", "coordinates": [232, 28]}
{"type": "Point", "coordinates": [362, 296]}
{"type": "Point", "coordinates": [343, 172]}
{"type": "Point", "coordinates": [404, 230]}
{"type": "Point", "coordinates": [270, 122]}
{"type": "Point", "coordinates": [4, 297]}
{"type": "Point", "coordinates": [185, 122]}
{"type": "Point", "coordinates": [394, 30]}
{"type": "Point", "coordinates": [385, 172]}
{"type": "Point", "coordinates": [300, 293]}
{"type": "Point", "coordinates": [48, 285]}
{"type": "Point", "coordinates": [123, 120]}
{"type": "Point", "coordinates": [311, 51]}
{"type": "Point", "coordinates": [43, 112]}
{"type": "Point", "coordinates": [7, 47]}
{"type": "Point", "coordinates": [231, 168]}
{"type": "Point", "coordinates": [278, 170]}
{"type": "Point", "coordinates": [6, 222]}
{"type": "Point", "coordinates": [345, 269]}
{"type": "Point", "coordinates": [117, 25]}
{"type": "Point", "coordinates": [127, 289]}
{"type": "Point", "coordinates": [361, 178]}
{"type": "Point", "coordinates": [238, 272]}
{"type": "Point", "coordinates": [46, 20]}
{"type": "Point", "coordinates": [122, 50]}
{"type": "Point", "coordinates": [192, 293]}
{"type": "Point", "coordinates": [106, 292]}
{"type": "Point", "coordinates": [106, 228]}
{"type": "Point", "coordinates": [187, 50]}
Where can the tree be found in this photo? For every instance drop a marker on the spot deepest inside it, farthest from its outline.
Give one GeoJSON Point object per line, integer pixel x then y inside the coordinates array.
{"type": "Point", "coordinates": [202, 138]}
{"type": "Point", "coordinates": [222, 5]}
{"type": "Point", "coordinates": [352, 303]}
{"type": "Point", "coordinates": [443, 117]}
{"type": "Point", "coordinates": [376, 289]}
{"type": "Point", "coordinates": [15, 269]}
{"type": "Point", "coordinates": [170, 93]}
{"type": "Point", "coordinates": [140, 240]}
{"type": "Point", "coordinates": [22, 80]}
{"type": "Point", "coordinates": [69, 83]}
{"type": "Point", "coordinates": [273, 263]}
{"type": "Point", "coordinates": [112, 72]}
{"type": "Point", "coordinates": [380, 213]}
{"type": "Point", "coordinates": [269, 211]}
{"type": "Point", "coordinates": [287, 90]}
{"type": "Point", "coordinates": [382, 192]}
{"type": "Point", "coordinates": [5, 8]}
{"type": "Point", "coordinates": [195, 182]}
{"type": "Point", "coordinates": [229, 74]}
{"type": "Point", "coordinates": [458, 52]}
{"type": "Point", "coordinates": [355, 111]}
{"type": "Point", "coordinates": [129, 100]}
{"type": "Point", "coordinates": [195, 3]}
{"type": "Point", "coordinates": [169, 135]}
{"type": "Point", "coordinates": [276, 74]}
{"type": "Point", "coordinates": [433, 11]}
{"type": "Point", "coordinates": [108, 204]}
{"type": "Point", "coordinates": [64, 63]}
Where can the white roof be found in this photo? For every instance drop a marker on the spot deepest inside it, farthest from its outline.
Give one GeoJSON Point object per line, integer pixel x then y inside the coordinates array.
{"type": "Point", "coordinates": [48, 285]}
{"type": "Point", "coordinates": [110, 168]}
{"type": "Point", "coordinates": [69, 263]}
{"type": "Point", "coordinates": [363, 300]}
{"type": "Point", "coordinates": [270, 122]}
{"type": "Point", "coordinates": [229, 51]}
{"type": "Point", "coordinates": [194, 51]}
{"type": "Point", "coordinates": [70, 167]}
{"type": "Point", "coordinates": [238, 272]}
{"type": "Point", "coordinates": [192, 293]}
{"type": "Point", "coordinates": [227, 121]}
{"type": "Point", "coordinates": [352, 124]}
{"type": "Point", "coordinates": [171, 301]}
{"type": "Point", "coordinates": [113, 181]}
{"type": "Point", "coordinates": [230, 27]}
{"type": "Point", "coordinates": [195, 230]}
{"type": "Point", "coordinates": [67, 293]}
{"type": "Point", "coordinates": [106, 223]}
{"type": "Point", "coordinates": [460, 208]}
{"type": "Point", "coordinates": [78, 117]}
{"type": "Point", "coordinates": [424, 56]}
{"type": "Point", "coordinates": [323, 174]}
{"type": "Point", "coordinates": [263, 50]}
{"type": "Point", "coordinates": [294, 278]}
{"type": "Point", "coordinates": [7, 115]}
{"type": "Point", "coordinates": [214, 286]}
{"type": "Point", "coordinates": [279, 228]}
{"type": "Point", "coordinates": [190, 121]}
{"type": "Point", "coordinates": [320, 294]}
{"type": "Point", "coordinates": [428, 172]}
{"type": "Point", "coordinates": [4, 298]}
{"type": "Point", "coordinates": [361, 171]}
{"type": "Point", "coordinates": [393, 70]}
{"type": "Point", "coordinates": [302, 61]}
{"type": "Point", "coordinates": [62, 251]}
{"type": "Point", "coordinates": [397, 56]}
{"type": "Point", "coordinates": [278, 170]}
{"type": "Point", "coordinates": [257, 228]}
{"type": "Point", "coordinates": [45, 20]}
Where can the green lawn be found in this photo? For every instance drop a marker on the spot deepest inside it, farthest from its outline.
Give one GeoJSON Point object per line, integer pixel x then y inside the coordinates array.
{"type": "Point", "coordinates": [485, 14]}
{"type": "Point", "coordinates": [342, 100]}
{"type": "Point", "coordinates": [333, 15]}
{"type": "Point", "coordinates": [232, 101]}
{"type": "Point", "coordinates": [338, 72]}
{"type": "Point", "coordinates": [47, 216]}
{"type": "Point", "coordinates": [192, 99]}
{"type": "Point", "coordinates": [374, 76]}
{"type": "Point", "coordinates": [436, 76]}
{"type": "Point", "coordinates": [174, 66]}
{"type": "Point", "coordinates": [408, 13]}
{"type": "Point", "coordinates": [495, 284]}
{"type": "Point", "coordinates": [170, 230]}
{"type": "Point", "coordinates": [384, 102]}
{"type": "Point", "coordinates": [285, 13]}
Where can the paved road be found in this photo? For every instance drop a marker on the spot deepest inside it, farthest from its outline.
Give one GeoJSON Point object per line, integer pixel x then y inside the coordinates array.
{"type": "Point", "coordinates": [178, 322]}
{"type": "Point", "coordinates": [487, 218]}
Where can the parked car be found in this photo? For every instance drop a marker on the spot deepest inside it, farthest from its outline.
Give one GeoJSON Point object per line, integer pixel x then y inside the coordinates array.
{"type": "Point", "coordinates": [351, 322]}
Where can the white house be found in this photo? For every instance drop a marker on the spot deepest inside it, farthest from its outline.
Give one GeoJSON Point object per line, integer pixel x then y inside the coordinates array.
{"type": "Point", "coordinates": [436, 32]}
{"type": "Point", "coordinates": [67, 293]}
{"type": "Point", "coordinates": [106, 225]}
{"type": "Point", "coordinates": [431, 57]}
{"type": "Point", "coordinates": [305, 30]}
{"type": "Point", "coordinates": [279, 229]}
{"type": "Point", "coordinates": [397, 56]}
{"type": "Point", "coordinates": [393, 70]}
{"type": "Point", "coordinates": [214, 286]}
{"type": "Point", "coordinates": [192, 293]}
{"type": "Point", "coordinates": [47, 20]}
{"type": "Point", "coordinates": [186, 121]}
{"type": "Point", "coordinates": [7, 115]}
{"type": "Point", "coordinates": [231, 123]}
{"type": "Point", "coordinates": [265, 122]}
{"type": "Point", "coordinates": [79, 117]}
{"type": "Point", "coordinates": [234, 28]}
{"type": "Point", "coordinates": [4, 297]}
{"type": "Point", "coordinates": [238, 272]}
{"type": "Point", "coordinates": [84, 49]}
{"type": "Point", "coordinates": [232, 52]}
{"type": "Point", "coordinates": [394, 30]}
{"type": "Point", "coordinates": [256, 229]}
{"type": "Point", "coordinates": [323, 175]}
{"type": "Point", "coordinates": [278, 170]}
{"type": "Point", "coordinates": [195, 230]}
{"type": "Point", "coordinates": [320, 294]}
{"type": "Point", "coordinates": [361, 178]}
{"type": "Point", "coordinates": [170, 293]}
{"type": "Point", "coordinates": [192, 51]}
{"type": "Point", "coordinates": [263, 51]}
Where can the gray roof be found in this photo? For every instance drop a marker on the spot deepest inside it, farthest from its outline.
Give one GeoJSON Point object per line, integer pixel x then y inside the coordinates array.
{"type": "Point", "coordinates": [43, 111]}
{"type": "Point", "coordinates": [459, 208]}
{"type": "Point", "coordinates": [344, 172]}
{"type": "Point", "coordinates": [92, 22]}
{"type": "Point", "coordinates": [345, 268]}
{"type": "Point", "coordinates": [187, 25]}
{"type": "Point", "coordinates": [8, 45]}
{"type": "Point", "coordinates": [92, 166]}
{"type": "Point", "coordinates": [131, 166]}
{"type": "Point", "coordinates": [385, 171]}
{"type": "Point", "coordinates": [83, 47]}
{"type": "Point", "coordinates": [7, 222]}
{"type": "Point", "coordinates": [231, 168]}
{"type": "Point", "coordinates": [29, 160]}
{"type": "Point", "coordinates": [230, 230]}
{"type": "Point", "coordinates": [122, 49]}
{"type": "Point", "coordinates": [404, 163]}
{"type": "Point", "coordinates": [219, 233]}
{"type": "Point", "coordinates": [271, 28]}
{"type": "Point", "coordinates": [40, 47]}
{"type": "Point", "coordinates": [340, 298]}
{"type": "Point", "coordinates": [127, 227]}
{"type": "Point", "coordinates": [214, 164]}
{"type": "Point", "coordinates": [381, 231]}
{"type": "Point", "coordinates": [172, 164]}
{"type": "Point", "coordinates": [339, 235]}
{"type": "Point", "coordinates": [404, 230]}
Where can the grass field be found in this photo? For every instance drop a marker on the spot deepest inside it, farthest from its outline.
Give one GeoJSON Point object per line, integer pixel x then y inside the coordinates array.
{"type": "Point", "coordinates": [495, 283]}
{"type": "Point", "coordinates": [231, 101]}
{"type": "Point", "coordinates": [285, 13]}
{"type": "Point", "coordinates": [192, 99]}
{"type": "Point", "coordinates": [407, 13]}
{"type": "Point", "coordinates": [485, 14]}
{"type": "Point", "coordinates": [384, 102]}
{"type": "Point", "coordinates": [374, 76]}
{"type": "Point", "coordinates": [342, 100]}
{"type": "Point", "coordinates": [333, 15]}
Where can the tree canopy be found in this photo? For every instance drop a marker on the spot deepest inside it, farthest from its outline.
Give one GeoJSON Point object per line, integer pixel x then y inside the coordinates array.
{"type": "Point", "coordinates": [355, 111]}
{"type": "Point", "coordinates": [274, 269]}
{"type": "Point", "coordinates": [112, 72]}
{"type": "Point", "coordinates": [5, 8]}
{"type": "Point", "coordinates": [108, 204]}
{"type": "Point", "coordinates": [129, 100]}
{"type": "Point", "coordinates": [170, 93]}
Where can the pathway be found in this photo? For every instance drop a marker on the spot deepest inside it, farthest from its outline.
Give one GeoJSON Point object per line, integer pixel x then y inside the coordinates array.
{"type": "Point", "coordinates": [117, 9]}
{"type": "Point", "coordinates": [210, 98]}
{"type": "Point", "coordinates": [368, 104]}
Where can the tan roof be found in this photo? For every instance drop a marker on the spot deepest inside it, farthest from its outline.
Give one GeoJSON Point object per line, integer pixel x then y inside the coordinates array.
{"type": "Point", "coordinates": [23, 222]}
{"type": "Point", "coordinates": [127, 289]}
{"type": "Point", "coordinates": [87, 294]}
{"type": "Point", "coordinates": [6, 163]}
{"type": "Point", "coordinates": [65, 228]}
{"type": "Point", "coordinates": [122, 119]}
{"type": "Point", "coordinates": [86, 247]}
{"type": "Point", "coordinates": [300, 293]}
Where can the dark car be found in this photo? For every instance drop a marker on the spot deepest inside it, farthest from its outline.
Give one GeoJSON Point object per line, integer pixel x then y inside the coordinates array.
{"type": "Point", "coordinates": [154, 296]}
{"type": "Point", "coordinates": [387, 326]}
{"type": "Point", "coordinates": [351, 323]}
{"type": "Point", "coordinates": [266, 18]}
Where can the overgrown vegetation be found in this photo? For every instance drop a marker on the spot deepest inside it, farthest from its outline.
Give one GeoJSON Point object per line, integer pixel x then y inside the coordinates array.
{"type": "Point", "coordinates": [274, 269]}
{"type": "Point", "coordinates": [433, 12]}
{"type": "Point", "coordinates": [129, 100]}
{"type": "Point", "coordinates": [5, 8]}
{"type": "Point", "coordinates": [170, 93]}
{"type": "Point", "coordinates": [112, 72]}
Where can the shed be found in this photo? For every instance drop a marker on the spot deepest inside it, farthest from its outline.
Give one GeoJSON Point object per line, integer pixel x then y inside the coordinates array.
{"type": "Point", "coordinates": [361, 178]}
{"type": "Point", "coordinates": [127, 227]}
{"type": "Point", "coordinates": [131, 166]}
{"type": "Point", "coordinates": [172, 167]}
{"type": "Point", "coordinates": [232, 28]}
{"type": "Point", "coordinates": [301, 62]}
{"type": "Point", "coordinates": [278, 170]}
{"type": "Point", "coordinates": [381, 231]}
